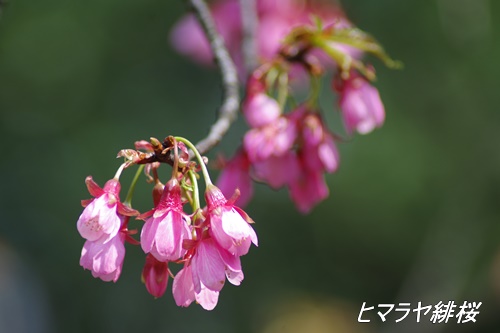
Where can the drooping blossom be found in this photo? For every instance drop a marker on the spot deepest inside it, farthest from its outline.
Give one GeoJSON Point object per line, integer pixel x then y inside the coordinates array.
{"type": "Point", "coordinates": [318, 151]}
{"type": "Point", "coordinates": [104, 257]}
{"type": "Point", "coordinates": [260, 109]}
{"type": "Point", "coordinates": [204, 274]}
{"type": "Point", "coordinates": [235, 174]}
{"type": "Point", "coordinates": [155, 276]}
{"type": "Point", "coordinates": [229, 224]}
{"type": "Point", "coordinates": [166, 228]}
{"type": "Point", "coordinates": [308, 190]}
{"type": "Point", "coordinates": [276, 139]}
{"type": "Point", "coordinates": [100, 218]}
{"type": "Point", "coordinates": [360, 104]}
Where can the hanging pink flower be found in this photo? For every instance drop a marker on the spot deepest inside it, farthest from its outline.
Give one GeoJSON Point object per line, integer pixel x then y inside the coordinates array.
{"type": "Point", "coordinates": [308, 190]}
{"type": "Point", "coordinates": [278, 171]}
{"type": "Point", "coordinates": [276, 138]}
{"type": "Point", "coordinates": [166, 229]}
{"type": "Point", "coordinates": [260, 109]}
{"type": "Point", "coordinates": [361, 107]}
{"type": "Point", "coordinates": [236, 175]}
{"type": "Point", "coordinates": [229, 224]}
{"type": "Point", "coordinates": [104, 257]}
{"type": "Point", "coordinates": [318, 151]}
{"type": "Point", "coordinates": [100, 216]}
{"type": "Point", "coordinates": [204, 274]}
{"type": "Point", "coordinates": [155, 276]}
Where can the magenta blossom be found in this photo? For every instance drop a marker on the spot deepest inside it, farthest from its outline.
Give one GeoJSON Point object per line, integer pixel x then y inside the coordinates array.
{"type": "Point", "coordinates": [278, 171]}
{"type": "Point", "coordinates": [155, 276]}
{"type": "Point", "coordinates": [318, 151]}
{"type": "Point", "coordinates": [100, 216]}
{"type": "Point", "coordinates": [164, 232]}
{"type": "Point", "coordinates": [229, 225]}
{"type": "Point", "coordinates": [236, 175]}
{"type": "Point", "coordinates": [360, 104]}
{"type": "Point", "coordinates": [276, 139]}
{"type": "Point", "coordinates": [184, 294]}
{"type": "Point", "coordinates": [104, 257]}
{"type": "Point", "coordinates": [308, 190]}
{"type": "Point", "coordinates": [204, 274]}
{"type": "Point", "coordinates": [260, 109]}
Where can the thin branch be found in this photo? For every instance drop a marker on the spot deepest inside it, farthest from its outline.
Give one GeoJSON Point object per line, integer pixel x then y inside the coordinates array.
{"type": "Point", "coordinates": [250, 22]}
{"type": "Point", "coordinates": [229, 108]}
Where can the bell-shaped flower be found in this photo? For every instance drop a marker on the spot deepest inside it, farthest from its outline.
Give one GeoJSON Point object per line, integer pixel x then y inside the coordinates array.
{"type": "Point", "coordinates": [184, 294]}
{"type": "Point", "coordinates": [318, 151]}
{"type": "Point", "coordinates": [203, 276]}
{"type": "Point", "coordinates": [229, 224]}
{"type": "Point", "coordinates": [166, 228]}
{"type": "Point", "coordinates": [101, 214]}
{"type": "Point", "coordinates": [155, 276]}
{"type": "Point", "coordinates": [275, 139]}
{"type": "Point", "coordinates": [260, 109]}
{"type": "Point", "coordinates": [308, 190]}
{"type": "Point", "coordinates": [104, 257]}
{"type": "Point", "coordinates": [277, 171]}
{"type": "Point", "coordinates": [236, 175]}
{"type": "Point", "coordinates": [361, 107]}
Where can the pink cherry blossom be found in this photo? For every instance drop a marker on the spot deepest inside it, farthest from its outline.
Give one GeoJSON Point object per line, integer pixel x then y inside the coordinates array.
{"type": "Point", "coordinates": [308, 190]}
{"type": "Point", "coordinates": [204, 274]}
{"type": "Point", "coordinates": [100, 216]}
{"type": "Point", "coordinates": [229, 224]}
{"type": "Point", "coordinates": [360, 104]}
{"type": "Point", "coordinates": [104, 257]}
{"type": "Point", "coordinates": [184, 294]}
{"type": "Point", "coordinates": [236, 175]}
{"type": "Point", "coordinates": [276, 138]}
{"type": "Point", "coordinates": [277, 171]}
{"type": "Point", "coordinates": [155, 276]}
{"type": "Point", "coordinates": [318, 151]}
{"type": "Point", "coordinates": [164, 232]}
{"type": "Point", "coordinates": [260, 109]}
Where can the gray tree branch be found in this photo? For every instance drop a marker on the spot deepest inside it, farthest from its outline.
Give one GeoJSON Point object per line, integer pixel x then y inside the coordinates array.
{"type": "Point", "coordinates": [231, 99]}
{"type": "Point", "coordinates": [250, 22]}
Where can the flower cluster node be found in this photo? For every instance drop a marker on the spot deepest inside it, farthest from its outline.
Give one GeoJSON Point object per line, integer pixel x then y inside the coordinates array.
{"type": "Point", "coordinates": [209, 242]}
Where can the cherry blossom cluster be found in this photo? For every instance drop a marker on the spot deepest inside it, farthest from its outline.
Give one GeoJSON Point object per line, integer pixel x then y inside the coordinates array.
{"type": "Point", "coordinates": [288, 143]}
{"type": "Point", "coordinates": [207, 242]}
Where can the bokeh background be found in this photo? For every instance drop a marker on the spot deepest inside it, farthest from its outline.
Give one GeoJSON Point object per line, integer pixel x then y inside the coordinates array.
{"type": "Point", "coordinates": [413, 214]}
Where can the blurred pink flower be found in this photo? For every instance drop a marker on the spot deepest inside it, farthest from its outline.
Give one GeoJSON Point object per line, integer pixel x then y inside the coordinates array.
{"type": "Point", "coordinates": [308, 190]}
{"type": "Point", "coordinates": [360, 104]}
{"type": "Point", "coordinates": [318, 152]}
{"type": "Point", "coordinates": [276, 139]}
{"type": "Point", "coordinates": [236, 175]}
{"type": "Point", "coordinates": [260, 109]}
{"type": "Point", "coordinates": [163, 233]}
{"type": "Point", "coordinates": [277, 171]}
{"type": "Point", "coordinates": [276, 19]}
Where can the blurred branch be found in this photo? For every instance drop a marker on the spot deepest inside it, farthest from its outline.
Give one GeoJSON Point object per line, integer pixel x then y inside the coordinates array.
{"type": "Point", "coordinates": [229, 108]}
{"type": "Point", "coordinates": [250, 22]}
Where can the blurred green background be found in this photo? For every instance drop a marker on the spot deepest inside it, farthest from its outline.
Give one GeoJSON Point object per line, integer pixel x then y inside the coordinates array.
{"type": "Point", "coordinates": [413, 214]}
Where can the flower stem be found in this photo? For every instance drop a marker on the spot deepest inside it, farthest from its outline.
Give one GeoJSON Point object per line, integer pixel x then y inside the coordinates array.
{"type": "Point", "coordinates": [119, 171]}
{"type": "Point", "coordinates": [131, 189]}
{"type": "Point", "coordinates": [196, 195]}
{"type": "Point", "coordinates": [188, 143]}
